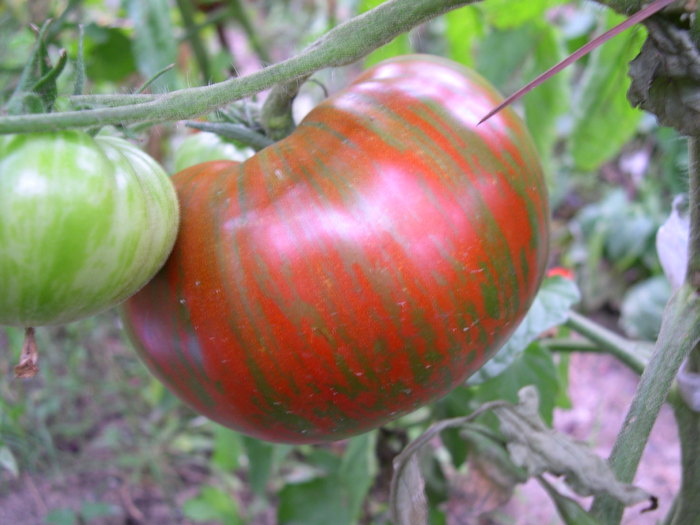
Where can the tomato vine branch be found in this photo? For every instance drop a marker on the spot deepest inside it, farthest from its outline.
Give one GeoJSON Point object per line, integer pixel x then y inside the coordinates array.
{"type": "Point", "coordinates": [342, 45]}
{"type": "Point", "coordinates": [625, 350]}
{"type": "Point", "coordinates": [686, 507]}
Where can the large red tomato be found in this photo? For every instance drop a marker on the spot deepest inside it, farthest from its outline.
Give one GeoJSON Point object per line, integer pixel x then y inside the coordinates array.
{"type": "Point", "coordinates": [356, 270]}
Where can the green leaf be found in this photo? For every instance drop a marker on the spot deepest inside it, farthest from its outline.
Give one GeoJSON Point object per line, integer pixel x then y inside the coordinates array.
{"type": "Point", "coordinates": [625, 228]}
{"type": "Point", "coordinates": [263, 459]}
{"type": "Point", "coordinates": [563, 400]}
{"type": "Point", "coordinates": [544, 104]}
{"type": "Point", "coordinates": [357, 470]}
{"type": "Point", "coordinates": [197, 509]}
{"type": "Point", "coordinates": [499, 67]}
{"type": "Point", "coordinates": [36, 88]}
{"type": "Point", "coordinates": [535, 367]}
{"type": "Point", "coordinates": [549, 309]}
{"type": "Point", "coordinates": [643, 308]}
{"type": "Point", "coordinates": [91, 510]}
{"type": "Point", "coordinates": [228, 447]}
{"type": "Point", "coordinates": [506, 13]}
{"type": "Point", "coordinates": [213, 504]}
{"type": "Point", "coordinates": [61, 517]}
{"type": "Point", "coordinates": [463, 27]}
{"type": "Point", "coordinates": [335, 497]}
{"type": "Point", "coordinates": [605, 121]}
{"type": "Point", "coordinates": [154, 44]}
{"type": "Point", "coordinates": [108, 55]}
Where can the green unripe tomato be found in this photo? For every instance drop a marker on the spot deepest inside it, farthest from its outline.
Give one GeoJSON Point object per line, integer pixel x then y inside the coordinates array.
{"type": "Point", "coordinates": [204, 146]}
{"type": "Point", "coordinates": [84, 223]}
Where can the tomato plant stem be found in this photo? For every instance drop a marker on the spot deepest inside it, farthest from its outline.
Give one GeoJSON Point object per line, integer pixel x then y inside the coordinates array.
{"type": "Point", "coordinates": [680, 332]}
{"type": "Point", "coordinates": [686, 507]}
{"type": "Point", "coordinates": [277, 116]}
{"type": "Point", "coordinates": [566, 346]}
{"type": "Point", "coordinates": [693, 273]}
{"type": "Point", "coordinates": [342, 45]}
{"type": "Point", "coordinates": [612, 343]}
{"type": "Point", "coordinates": [679, 336]}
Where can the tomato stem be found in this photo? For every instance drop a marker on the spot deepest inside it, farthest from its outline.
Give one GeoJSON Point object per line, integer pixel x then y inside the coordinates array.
{"type": "Point", "coordinates": [686, 507]}
{"type": "Point", "coordinates": [28, 361]}
{"type": "Point", "coordinates": [277, 117]}
{"type": "Point", "coordinates": [342, 45]}
{"type": "Point", "coordinates": [623, 349]}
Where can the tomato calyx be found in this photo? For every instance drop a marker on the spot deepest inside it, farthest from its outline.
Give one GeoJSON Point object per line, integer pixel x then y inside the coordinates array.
{"type": "Point", "coordinates": [29, 357]}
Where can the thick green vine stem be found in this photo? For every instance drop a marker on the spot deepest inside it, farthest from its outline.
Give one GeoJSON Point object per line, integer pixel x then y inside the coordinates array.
{"type": "Point", "coordinates": [693, 273]}
{"type": "Point", "coordinates": [686, 507]}
{"type": "Point", "coordinates": [680, 333]}
{"type": "Point", "coordinates": [342, 45]}
{"type": "Point", "coordinates": [628, 352]}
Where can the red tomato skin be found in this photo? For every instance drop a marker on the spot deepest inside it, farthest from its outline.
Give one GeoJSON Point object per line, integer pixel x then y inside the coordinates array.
{"type": "Point", "coordinates": [356, 270]}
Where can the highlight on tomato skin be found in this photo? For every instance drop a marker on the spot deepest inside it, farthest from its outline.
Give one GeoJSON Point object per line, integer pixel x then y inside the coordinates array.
{"type": "Point", "coordinates": [356, 270]}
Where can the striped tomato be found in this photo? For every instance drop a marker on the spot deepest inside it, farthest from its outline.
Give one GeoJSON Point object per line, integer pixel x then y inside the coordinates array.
{"type": "Point", "coordinates": [84, 223]}
{"type": "Point", "coordinates": [356, 270]}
